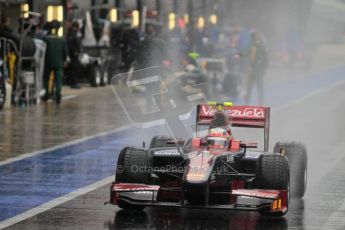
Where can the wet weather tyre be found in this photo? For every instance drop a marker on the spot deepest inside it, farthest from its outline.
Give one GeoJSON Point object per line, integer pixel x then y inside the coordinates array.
{"type": "Point", "coordinates": [133, 166]}
{"type": "Point", "coordinates": [161, 141]}
{"type": "Point", "coordinates": [296, 154]}
{"type": "Point", "coordinates": [95, 76]}
{"type": "Point", "coordinates": [273, 173]}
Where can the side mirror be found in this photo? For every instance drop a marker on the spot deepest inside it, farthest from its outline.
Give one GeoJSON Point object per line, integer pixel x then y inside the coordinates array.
{"type": "Point", "coordinates": [196, 143]}
{"type": "Point", "coordinates": [203, 143]}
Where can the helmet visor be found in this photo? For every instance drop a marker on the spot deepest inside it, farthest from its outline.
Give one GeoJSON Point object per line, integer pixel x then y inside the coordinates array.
{"type": "Point", "coordinates": [217, 142]}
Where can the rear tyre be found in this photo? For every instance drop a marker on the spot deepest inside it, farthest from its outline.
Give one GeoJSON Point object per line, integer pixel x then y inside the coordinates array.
{"type": "Point", "coordinates": [133, 166]}
{"type": "Point", "coordinates": [272, 172]}
{"type": "Point", "coordinates": [296, 154]}
{"type": "Point", "coordinates": [161, 141]}
{"type": "Point", "coordinates": [95, 76]}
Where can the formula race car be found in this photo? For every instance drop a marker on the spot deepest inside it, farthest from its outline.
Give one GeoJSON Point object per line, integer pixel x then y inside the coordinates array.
{"type": "Point", "coordinates": [215, 171]}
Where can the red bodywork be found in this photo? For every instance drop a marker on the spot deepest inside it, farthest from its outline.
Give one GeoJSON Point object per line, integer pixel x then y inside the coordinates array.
{"type": "Point", "coordinates": [270, 196]}
{"type": "Point", "coordinates": [200, 163]}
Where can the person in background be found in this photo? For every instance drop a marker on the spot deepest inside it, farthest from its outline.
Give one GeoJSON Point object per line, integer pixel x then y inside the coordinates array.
{"type": "Point", "coordinates": [243, 47]}
{"type": "Point", "coordinates": [200, 40]}
{"type": "Point", "coordinates": [6, 30]}
{"type": "Point", "coordinates": [151, 50]}
{"type": "Point", "coordinates": [259, 63]}
{"type": "Point", "coordinates": [74, 48]}
{"type": "Point", "coordinates": [5, 24]}
{"type": "Point", "coordinates": [40, 32]}
{"type": "Point", "coordinates": [56, 54]}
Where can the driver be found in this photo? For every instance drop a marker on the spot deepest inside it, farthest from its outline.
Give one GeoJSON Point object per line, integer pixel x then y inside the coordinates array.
{"type": "Point", "coordinates": [218, 138]}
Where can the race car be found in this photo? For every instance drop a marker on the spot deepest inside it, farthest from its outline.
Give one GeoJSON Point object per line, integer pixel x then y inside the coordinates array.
{"type": "Point", "coordinates": [214, 171]}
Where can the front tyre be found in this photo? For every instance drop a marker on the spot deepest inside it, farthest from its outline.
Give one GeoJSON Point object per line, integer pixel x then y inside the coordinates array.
{"type": "Point", "coordinates": [133, 166]}
{"type": "Point", "coordinates": [272, 172]}
{"type": "Point", "coordinates": [296, 153]}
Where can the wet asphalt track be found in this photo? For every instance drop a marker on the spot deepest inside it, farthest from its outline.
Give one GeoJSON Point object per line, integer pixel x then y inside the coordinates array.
{"type": "Point", "coordinates": [317, 120]}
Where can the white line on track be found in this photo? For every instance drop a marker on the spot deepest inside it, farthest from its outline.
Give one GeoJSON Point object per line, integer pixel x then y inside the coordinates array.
{"type": "Point", "coordinates": [53, 203]}
{"type": "Point", "coordinates": [60, 200]}
{"type": "Point", "coordinates": [27, 155]}
{"type": "Point", "coordinates": [310, 95]}
{"type": "Point", "coordinates": [336, 219]}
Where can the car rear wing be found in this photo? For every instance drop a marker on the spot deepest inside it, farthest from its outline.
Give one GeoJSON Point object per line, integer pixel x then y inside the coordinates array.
{"type": "Point", "coordinates": [239, 116]}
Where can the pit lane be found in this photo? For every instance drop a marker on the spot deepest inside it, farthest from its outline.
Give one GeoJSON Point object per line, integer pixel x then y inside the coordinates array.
{"type": "Point", "coordinates": [316, 120]}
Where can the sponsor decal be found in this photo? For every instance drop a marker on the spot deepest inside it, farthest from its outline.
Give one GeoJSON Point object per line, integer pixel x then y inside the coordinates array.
{"type": "Point", "coordinates": [253, 201]}
{"type": "Point", "coordinates": [251, 144]}
{"type": "Point", "coordinates": [167, 153]}
{"type": "Point", "coordinates": [140, 195]}
{"type": "Point", "coordinates": [244, 112]}
{"type": "Point", "coordinates": [135, 187]}
{"type": "Point", "coordinates": [230, 158]}
{"type": "Point", "coordinates": [255, 193]}
{"type": "Point", "coordinates": [251, 156]}
{"type": "Point", "coordinates": [143, 192]}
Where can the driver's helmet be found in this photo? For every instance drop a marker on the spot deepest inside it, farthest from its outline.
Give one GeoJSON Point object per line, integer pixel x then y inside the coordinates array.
{"type": "Point", "coordinates": [218, 138]}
